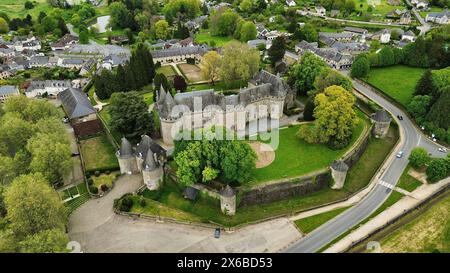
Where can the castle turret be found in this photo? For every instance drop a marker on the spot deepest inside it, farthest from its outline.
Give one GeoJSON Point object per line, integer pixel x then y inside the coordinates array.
{"type": "Point", "coordinates": [228, 200]}
{"type": "Point", "coordinates": [152, 172]}
{"type": "Point", "coordinates": [126, 158]}
{"type": "Point", "coordinates": [141, 151]}
{"type": "Point", "coordinates": [382, 121]}
{"type": "Point", "coordinates": [339, 173]}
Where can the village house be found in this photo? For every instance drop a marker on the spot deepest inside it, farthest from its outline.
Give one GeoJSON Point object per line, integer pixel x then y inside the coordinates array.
{"type": "Point", "coordinates": [7, 91]}
{"type": "Point", "coordinates": [7, 52]}
{"type": "Point", "coordinates": [64, 42]}
{"type": "Point", "coordinates": [420, 4]}
{"type": "Point", "coordinates": [336, 36]}
{"type": "Point", "coordinates": [87, 66]}
{"type": "Point", "coordinates": [47, 87]}
{"type": "Point", "coordinates": [196, 23]}
{"type": "Point", "coordinates": [5, 73]}
{"type": "Point", "coordinates": [181, 54]}
{"type": "Point", "coordinates": [442, 18]}
{"type": "Point", "coordinates": [291, 3]}
{"type": "Point", "coordinates": [331, 56]}
{"type": "Point", "coordinates": [30, 43]}
{"type": "Point", "coordinates": [114, 60]}
{"type": "Point", "coordinates": [405, 19]}
{"type": "Point", "coordinates": [70, 63]}
{"type": "Point", "coordinates": [320, 10]}
{"type": "Point", "coordinates": [384, 36]}
{"type": "Point", "coordinates": [409, 35]}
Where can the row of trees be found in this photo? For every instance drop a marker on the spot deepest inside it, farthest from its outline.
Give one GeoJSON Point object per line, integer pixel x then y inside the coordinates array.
{"type": "Point", "coordinates": [34, 155]}
{"type": "Point", "coordinates": [226, 22]}
{"type": "Point", "coordinates": [213, 158]}
{"type": "Point", "coordinates": [431, 101]}
{"type": "Point", "coordinates": [238, 63]}
{"type": "Point", "coordinates": [135, 74]}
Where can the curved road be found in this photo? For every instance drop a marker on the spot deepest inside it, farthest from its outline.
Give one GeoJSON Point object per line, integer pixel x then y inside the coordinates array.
{"type": "Point", "coordinates": [411, 137]}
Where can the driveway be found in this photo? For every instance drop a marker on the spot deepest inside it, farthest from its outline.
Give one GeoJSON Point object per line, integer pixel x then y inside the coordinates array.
{"type": "Point", "coordinates": [95, 226]}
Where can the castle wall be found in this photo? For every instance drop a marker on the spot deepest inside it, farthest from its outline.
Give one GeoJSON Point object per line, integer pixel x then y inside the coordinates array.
{"type": "Point", "coordinates": [127, 165]}
{"type": "Point", "coordinates": [339, 179]}
{"type": "Point", "coordinates": [228, 204]}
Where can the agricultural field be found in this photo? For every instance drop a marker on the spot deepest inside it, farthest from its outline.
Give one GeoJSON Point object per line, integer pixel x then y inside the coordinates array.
{"type": "Point", "coordinates": [396, 81]}
{"type": "Point", "coordinates": [16, 8]}
{"type": "Point", "coordinates": [429, 232]}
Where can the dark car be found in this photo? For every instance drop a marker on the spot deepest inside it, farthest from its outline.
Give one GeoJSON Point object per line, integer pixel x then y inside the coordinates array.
{"type": "Point", "coordinates": [217, 233]}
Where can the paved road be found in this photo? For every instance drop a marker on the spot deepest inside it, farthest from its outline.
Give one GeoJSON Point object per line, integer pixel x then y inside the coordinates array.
{"type": "Point", "coordinates": [412, 137]}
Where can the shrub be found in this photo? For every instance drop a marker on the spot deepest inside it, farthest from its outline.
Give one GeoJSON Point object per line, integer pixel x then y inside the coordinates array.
{"type": "Point", "coordinates": [438, 169]}
{"type": "Point", "coordinates": [93, 189]}
{"type": "Point", "coordinates": [125, 204]}
{"type": "Point", "coordinates": [97, 173]}
{"type": "Point", "coordinates": [108, 172]}
{"type": "Point", "coordinates": [90, 181]}
{"type": "Point", "coordinates": [142, 202]}
{"type": "Point", "coordinates": [418, 157]}
{"type": "Point", "coordinates": [103, 187]}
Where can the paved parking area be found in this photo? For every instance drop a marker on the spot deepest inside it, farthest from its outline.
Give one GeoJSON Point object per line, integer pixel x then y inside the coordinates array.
{"type": "Point", "coordinates": [95, 226]}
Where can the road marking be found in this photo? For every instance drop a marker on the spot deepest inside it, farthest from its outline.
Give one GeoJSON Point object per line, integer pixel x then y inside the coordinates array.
{"type": "Point", "coordinates": [386, 184]}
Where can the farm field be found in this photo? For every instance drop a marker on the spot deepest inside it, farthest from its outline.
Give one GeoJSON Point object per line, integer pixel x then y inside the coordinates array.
{"type": "Point", "coordinates": [396, 81]}
{"type": "Point", "coordinates": [15, 8]}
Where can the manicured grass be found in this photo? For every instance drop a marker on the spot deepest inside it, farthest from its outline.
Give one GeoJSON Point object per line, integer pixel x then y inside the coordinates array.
{"type": "Point", "coordinates": [308, 224]}
{"type": "Point", "coordinates": [98, 153]}
{"type": "Point", "coordinates": [397, 81]}
{"type": "Point", "coordinates": [205, 37]}
{"type": "Point", "coordinates": [429, 232]}
{"type": "Point", "coordinates": [167, 70]}
{"type": "Point", "coordinates": [218, 86]}
{"type": "Point", "coordinates": [104, 179]}
{"type": "Point", "coordinates": [407, 182]}
{"type": "Point", "coordinates": [106, 116]}
{"type": "Point", "coordinates": [295, 157]}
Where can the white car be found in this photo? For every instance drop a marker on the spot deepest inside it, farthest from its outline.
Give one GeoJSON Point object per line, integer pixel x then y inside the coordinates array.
{"type": "Point", "coordinates": [400, 154]}
{"type": "Point", "coordinates": [442, 150]}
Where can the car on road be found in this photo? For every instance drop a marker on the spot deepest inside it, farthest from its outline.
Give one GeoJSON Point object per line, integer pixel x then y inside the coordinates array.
{"type": "Point", "coordinates": [442, 150]}
{"type": "Point", "coordinates": [217, 233]}
{"type": "Point", "coordinates": [400, 154]}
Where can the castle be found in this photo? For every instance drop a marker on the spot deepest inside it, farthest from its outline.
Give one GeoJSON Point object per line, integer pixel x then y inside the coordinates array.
{"type": "Point", "coordinates": [147, 158]}
{"type": "Point", "coordinates": [196, 109]}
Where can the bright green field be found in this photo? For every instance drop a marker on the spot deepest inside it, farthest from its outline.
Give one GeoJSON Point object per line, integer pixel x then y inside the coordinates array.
{"type": "Point", "coordinates": [98, 153]}
{"type": "Point", "coordinates": [397, 81]}
{"type": "Point", "coordinates": [295, 157]}
{"type": "Point", "coordinates": [206, 37]}
{"type": "Point", "coordinates": [15, 8]}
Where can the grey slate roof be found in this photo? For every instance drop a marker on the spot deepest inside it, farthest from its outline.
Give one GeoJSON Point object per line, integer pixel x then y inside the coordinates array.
{"type": "Point", "coordinates": [179, 51]}
{"type": "Point", "coordinates": [227, 191]}
{"type": "Point", "coordinates": [190, 193]}
{"type": "Point", "coordinates": [381, 116]}
{"type": "Point", "coordinates": [339, 165]}
{"type": "Point", "coordinates": [8, 89]}
{"type": "Point", "coordinates": [150, 164]}
{"type": "Point", "coordinates": [147, 144]}
{"type": "Point", "coordinates": [125, 148]}
{"type": "Point", "coordinates": [75, 103]}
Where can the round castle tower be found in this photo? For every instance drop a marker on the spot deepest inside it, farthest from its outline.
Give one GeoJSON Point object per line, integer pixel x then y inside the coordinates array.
{"type": "Point", "coordinates": [126, 158]}
{"type": "Point", "coordinates": [152, 172]}
{"type": "Point", "coordinates": [382, 121]}
{"type": "Point", "coordinates": [339, 173]}
{"type": "Point", "coordinates": [228, 200]}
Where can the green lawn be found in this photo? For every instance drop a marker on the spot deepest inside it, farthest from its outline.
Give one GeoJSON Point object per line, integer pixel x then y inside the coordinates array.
{"type": "Point", "coordinates": [378, 11]}
{"type": "Point", "coordinates": [407, 182]}
{"type": "Point", "coordinates": [397, 81]}
{"type": "Point", "coordinates": [98, 153]}
{"type": "Point", "coordinates": [295, 157]}
{"type": "Point", "coordinates": [205, 37]}
{"type": "Point", "coordinates": [15, 8]}
{"type": "Point", "coordinates": [308, 224]}
{"type": "Point", "coordinates": [167, 70]}
{"type": "Point", "coordinates": [432, 9]}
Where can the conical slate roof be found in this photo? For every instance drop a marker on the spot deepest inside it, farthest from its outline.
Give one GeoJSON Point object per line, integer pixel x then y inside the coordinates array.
{"type": "Point", "coordinates": [339, 165]}
{"type": "Point", "coordinates": [143, 146]}
{"type": "Point", "coordinates": [125, 148]}
{"type": "Point", "coordinates": [227, 191]}
{"type": "Point", "coordinates": [381, 116]}
{"type": "Point", "coordinates": [150, 164]}
{"type": "Point", "coordinates": [162, 93]}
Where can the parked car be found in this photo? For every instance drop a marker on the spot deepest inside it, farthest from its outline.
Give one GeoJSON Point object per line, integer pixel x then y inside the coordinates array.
{"type": "Point", "coordinates": [217, 233]}
{"type": "Point", "coordinates": [400, 154]}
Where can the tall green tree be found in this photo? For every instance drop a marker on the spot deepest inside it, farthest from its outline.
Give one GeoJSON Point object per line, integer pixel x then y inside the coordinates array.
{"type": "Point", "coordinates": [303, 74]}
{"type": "Point", "coordinates": [130, 116]}
{"type": "Point", "coordinates": [425, 85]}
{"type": "Point", "coordinates": [360, 67]}
{"type": "Point", "coordinates": [33, 206]}
{"type": "Point", "coordinates": [277, 50]}
{"type": "Point", "coordinates": [419, 157]}
{"type": "Point", "coordinates": [47, 241]}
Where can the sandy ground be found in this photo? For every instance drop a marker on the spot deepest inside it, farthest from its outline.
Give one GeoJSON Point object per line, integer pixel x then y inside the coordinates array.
{"type": "Point", "coordinates": [265, 153]}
